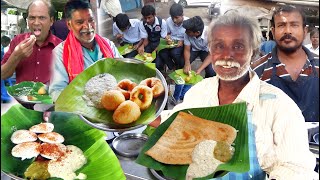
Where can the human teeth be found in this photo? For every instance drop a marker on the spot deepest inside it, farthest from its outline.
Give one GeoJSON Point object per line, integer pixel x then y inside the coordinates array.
{"type": "Point", "coordinates": [227, 67]}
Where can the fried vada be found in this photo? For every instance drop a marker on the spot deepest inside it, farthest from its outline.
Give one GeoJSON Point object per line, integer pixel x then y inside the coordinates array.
{"type": "Point", "coordinates": [127, 112]}
{"type": "Point", "coordinates": [112, 99]}
{"type": "Point", "coordinates": [155, 84]}
{"type": "Point", "coordinates": [126, 86]}
{"type": "Point", "coordinates": [142, 95]}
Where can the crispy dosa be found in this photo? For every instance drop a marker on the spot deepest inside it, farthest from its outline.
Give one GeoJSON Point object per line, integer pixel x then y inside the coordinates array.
{"type": "Point", "coordinates": [185, 132]}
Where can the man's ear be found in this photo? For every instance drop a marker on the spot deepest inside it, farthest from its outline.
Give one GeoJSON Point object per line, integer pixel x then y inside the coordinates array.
{"type": "Point", "coordinates": [68, 24]}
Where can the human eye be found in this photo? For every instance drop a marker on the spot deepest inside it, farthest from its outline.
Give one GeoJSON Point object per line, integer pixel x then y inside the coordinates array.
{"type": "Point", "coordinates": [31, 18]}
{"type": "Point", "coordinates": [238, 46]}
{"type": "Point", "coordinates": [42, 18]}
{"type": "Point", "coordinates": [217, 47]}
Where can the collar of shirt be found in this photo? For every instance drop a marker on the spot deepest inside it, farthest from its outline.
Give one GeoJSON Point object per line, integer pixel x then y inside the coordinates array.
{"type": "Point", "coordinates": [132, 23]}
{"type": "Point", "coordinates": [275, 60]}
{"type": "Point", "coordinates": [156, 22]}
{"type": "Point", "coordinates": [250, 93]}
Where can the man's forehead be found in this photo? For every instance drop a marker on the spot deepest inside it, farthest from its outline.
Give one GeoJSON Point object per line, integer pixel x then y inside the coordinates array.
{"type": "Point", "coordinates": [288, 17]}
{"type": "Point", "coordinates": [79, 12]}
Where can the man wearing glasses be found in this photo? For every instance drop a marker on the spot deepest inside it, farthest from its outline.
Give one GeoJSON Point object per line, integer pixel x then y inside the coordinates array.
{"type": "Point", "coordinates": [29, 54]}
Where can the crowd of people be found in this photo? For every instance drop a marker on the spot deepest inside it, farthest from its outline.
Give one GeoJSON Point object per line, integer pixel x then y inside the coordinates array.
{"type": "Point", "coordinates": [281, 91]}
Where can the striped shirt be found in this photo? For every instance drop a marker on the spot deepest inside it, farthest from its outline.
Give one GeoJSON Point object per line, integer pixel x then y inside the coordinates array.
{"type": "Point", "coordinates": [264, 70]}
{"type": "Point", "coordinates": [280, 134]}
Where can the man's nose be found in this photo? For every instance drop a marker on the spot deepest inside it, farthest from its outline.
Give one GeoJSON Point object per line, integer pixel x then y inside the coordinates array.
{"type": "Point", "coordinates": [227, 53]}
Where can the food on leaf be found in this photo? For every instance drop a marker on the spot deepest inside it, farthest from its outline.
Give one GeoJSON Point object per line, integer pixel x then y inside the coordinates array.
{"type": "Point", "coordinates": [126, 86]}
{"type": "Point", "coordinates": [204, 162]}
{"type": "Point", "coordinates": [142, 96]}
{"type": "Point", "coordinates": [175, 146]}
{"type": "Point", "coordinates": [51, 137]}
{"type": "Point", "coordinates": [26, 150]}
{"type": "Point", "coordinates": [95, 88]}
{"type": "Point", "coordinates": [21, 136]}
{"type": "Point", "coordinates": [42, 90]}
{"type": "Point", "coordinates": [127, 112]}
{"type": "Point", "coordinates": [155, 84]}
{"type": "Point", "coordinates": [112, 99]}
{"type": "Point", "coordinates": [42, 128]}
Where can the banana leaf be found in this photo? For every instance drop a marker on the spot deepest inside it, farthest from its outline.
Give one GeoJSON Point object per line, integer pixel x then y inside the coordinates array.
{"type": "Point", "coordinates": [27, 91]}
{"type": "Point", "coordinates": [123, 50]}
{"type": "Point", "coordinates": [145, 58]}
{"type": "Point", "coordinates": [101, 164]}
{"type": "Point", "coordinates": [233, 114]}
{"type": "Point", "coordinates": [163, 44]}
{"type": "Point", "coordinates": [70, 99]}
{"type": "Point", "coordinates": [179, 77]}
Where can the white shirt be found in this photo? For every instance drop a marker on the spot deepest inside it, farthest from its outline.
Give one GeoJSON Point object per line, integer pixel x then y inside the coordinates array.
{"type": "Point", "coordinates": [197, 44]}
{"type": "Point", "coordinates": [176, 32]}
{"type": "Point", "coordinates": [143, 31]}
{"type": "Point", "coordinates": [281, 137]}
{"type": "Point", "coordinates": [310, 47]}
{"type": "Point", "coordinates": [132, 35]}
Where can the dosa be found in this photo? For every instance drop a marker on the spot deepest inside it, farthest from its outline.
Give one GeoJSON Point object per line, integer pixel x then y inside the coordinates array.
{"type": "Point", "coordinates": [185, 132]}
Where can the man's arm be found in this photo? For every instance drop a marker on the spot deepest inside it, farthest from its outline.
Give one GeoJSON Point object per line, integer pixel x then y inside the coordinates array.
{"type": "Point", "coordinates": [23, 50]}
{"type": "Point", "coordinates": [186, 55]}
{"type": "Point", "coordinates": [144, 38]}
{"type": "Point", "coordinates": [59, 79]}
{"type": "Point", "coordinates": [204, 64]}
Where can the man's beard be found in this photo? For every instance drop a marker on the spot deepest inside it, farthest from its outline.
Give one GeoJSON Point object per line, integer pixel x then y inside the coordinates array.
{"type": "Point", "coordinates": [241, 71]}
{"type": "Point", "coordinates": [288, 50]}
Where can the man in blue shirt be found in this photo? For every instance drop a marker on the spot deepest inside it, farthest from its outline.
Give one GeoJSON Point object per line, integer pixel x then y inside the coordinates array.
{"type": "Point", "coordinates": [127, 32]}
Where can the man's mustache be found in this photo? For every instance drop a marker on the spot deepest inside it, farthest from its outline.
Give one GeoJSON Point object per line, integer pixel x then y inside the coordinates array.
{"type": "Point", "coordinates": [87, 31]}
{"type": "Point", "coordinates": [288, 36]}
{"type": "Point", "coordinates": [229, 62]}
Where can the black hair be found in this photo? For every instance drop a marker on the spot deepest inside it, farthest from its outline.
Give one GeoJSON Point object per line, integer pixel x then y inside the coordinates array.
{"type": "Point", "coordinates": [314, 31]}
{"type": "Point", "coordinates": [5, 39]}
{"type": "Point", "coordinates": [51, 9]}
{"type": "Point", "coordinates": [122, 21]}
{"type": "Point", "coordinates": [148, 10]}
{"type": "Point", "coordinates": [73, 5]}
{"type": "Point", "coordinates": [288, 9]}
{"type": "Point", "coordinates": [176, 10]}
{"type": "Point", "coordinates": [194, 24]}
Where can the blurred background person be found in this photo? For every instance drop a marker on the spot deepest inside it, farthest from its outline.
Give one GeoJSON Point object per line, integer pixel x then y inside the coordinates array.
{"type": "Point", "coordinates": [127, 31]}
{"type": "Point", "coordinates": [112, 7]}
{"type": "Point", "coordinates": [314, 45]}
{"type": "Point", "coordinates": [60, 28]}
{"type": "Point", "coordinates": [267, 46]}
{"type": "Point", "coordinates": [5, 41]}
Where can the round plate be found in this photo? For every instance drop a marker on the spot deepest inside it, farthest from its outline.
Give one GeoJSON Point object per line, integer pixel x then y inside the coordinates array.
{"type": "Point", "coordinates": [130, 144]}
{"type": "Point", "coordinates": [316, 138]}
{"type": "Point", "coordinates": [160, 104]}
{"type": "Point", "coordinates": [12, 176]}
{"type": "Point", "coordinates": [159, 175]}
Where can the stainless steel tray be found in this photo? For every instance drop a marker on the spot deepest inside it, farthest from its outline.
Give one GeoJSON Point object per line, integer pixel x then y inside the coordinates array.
{"type": "Point", "coordinates": [129, 144]}
{"type": "Point", "coordinates": [160, 104]}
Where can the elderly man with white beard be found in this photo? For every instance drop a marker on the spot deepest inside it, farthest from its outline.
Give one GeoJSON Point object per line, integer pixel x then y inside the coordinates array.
{"type": "Point", "coordinates": [278, 141]}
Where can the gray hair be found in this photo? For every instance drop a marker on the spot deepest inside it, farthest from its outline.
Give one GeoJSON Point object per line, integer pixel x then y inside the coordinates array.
{"type": "Point", "coordinates": [234, 18]}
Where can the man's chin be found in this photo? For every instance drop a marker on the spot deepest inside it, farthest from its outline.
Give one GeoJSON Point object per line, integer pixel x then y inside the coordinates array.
{"type": "Point", "coordinates": [289, 50]}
